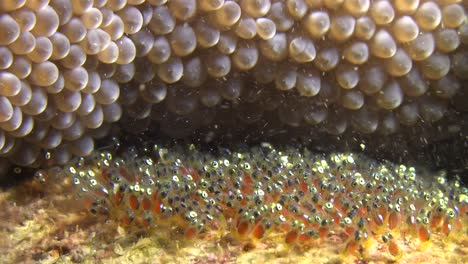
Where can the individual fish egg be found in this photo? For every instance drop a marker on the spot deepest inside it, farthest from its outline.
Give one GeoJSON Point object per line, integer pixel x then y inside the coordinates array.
{"type": "Point", "coordinates": [446, 87]}
{"type": "Point", "coordinates": [140, 110]}
{"type": "Point", "coordinates": [389, 124]}
{"type": "Point", "coordinates": [96, 41]}
{"type": "Point", "coordinates": [110, 54]}
{"type": "Point", "coordinates": [335, 124]}
{"type": "Point", "coordinates": [232, 88]}
{"type": "Point", "coordinates": [145, 71]}
{"type": "Point", "coordinates": [422, 47]}
{"type": "Point", "coordinates": [73, 132]}
{"type": "Point", "coordinates": [75, 78]}
{"type": "Point", "coordinates": [6, 109]}
{"type": "Point", "coordinates": [62, 120]}
{"type": "Point", "coordinates": [8, 25]}
{"type": "Point", "coordinates": [44, 74]}
{"type": "Point", "coordinates": [24, 44]}
{"type": "Point", "coordinates": [317, 24]}
{"type": "Point", "coordinates": [87, 104]}
{"type": "Point", "coordinates": [447, 40]}
{"type": "Point", "coordinates": [26, 127]}
{"type": "Point", "coordinates": [8, 145]}
{"type": "Point", "coordinates": [94, 82]}
{"type": "Point", "coordinates": [428, 16]}
{"type": "Point", "coordinates": [154, 92]}
{"type": "Point", "coordinates": [315, 115]}
{"type": "Point", "coordinates": [60, 46]}
{"type": "Point", "coordinates": [460, 64]}
{"type": "Point", "coordinates": [115, 29]}
{"type": "Point", "coordinates": [227, 15]}
{"type": "Point", "coordinates": [207, 36]}
{"type": "Point", "coordinates": [342, 27]}
{"type": "Point", "coordinates": [356, 53]}
{"type": "Point", "coordinates": [383, 45]}
{"type": "Point", "coordinates": [128, 94]}
{"type": "Point", "coordinates": [266, 28]}
{"type": "Point", "coordinates": [67, 100]}
{"type": "Point", "coordinates": [144, 42]}
{"type": "Point", "coordinates": [365, 28]}
{"type": "Point", "coordinates": [308, 82]}
{"type": "Point", "coordinates": [25, 18]}
{"type": "Point", "coordinates": [435, 66]}
{"type": "Point", "coordinates": [107, 16]}
{"type": "Point", "coordinates": [48, 114]}
{"type": "Point", "coordinates": [276, 48]}
{"type": "Point", "coordinates": [382, 12]}
{"type": "Point", "coordinates": [116, 5]}
{"type": "Point", "coordinates": [406, 6]}
{"type": "Point", "coordinates": [256, 8]}
{"type": "Point", "coordinates": [124, 73]}
{"type": "Point", "coordinates": [246, 28]}
{"type": "Point", "coordinates": [357, 8]}
{"type": "Point", "coordinates": [25, 154]}
{"type": "Point", "coordinates": [127, 50]}
{"type": "Point", "coordinates": [210, 5]}
{"type": "Point", "coordinates": [391, 96]}
{"type": "Point", "coordinates": [64, 10]}
{"type": "Point", "coordinates": [302, 49]}
{"type": "Point", "coordinates": [217, 64]}
{"type": "Point", "coordinates": [75, 58]}
{"type": "Point", "coordinates": [297, 8]}
{"type": "Point", "coordinates": [108, 92]}
{"type": "Point", "coordinates": [405, 29]}
{"type": "Point", "coordinates": [61, 155]}
{"type": "Point", "coordinates": [353, 99]}
{"type": "Point", "coordinates": [333, 4]}
{"type": "Point", "coordinates": [74, 30]}
{"type": "Point", "coordinates": [21, 67]}
{"type": "Point", "coordinates": [24, 95]}
{"type": "Point", "coordinates": [94, 119]}
{"type": "Point", "coordinates": [171, 71]}
{"type": "Point", "coordinates": [131, 18]}
{"type": "Point", "coordinates": [195, 72]}
{"type": "Point", "coordinates": [453, 15]}
{"type": "Point", "coordinates": [183, 40]}
{"type": "Point", "coordinates": [47, 22]}
{"type": "Point", "coordinates": [106, 70]}
{"type": "Point", "coordinates": [413, 83]}
{"type": "Point", "coordinates": [264, 72]}
{"type": "Point", "coordinates": [38, 102]}
{"type": "Point", "coordinates": [210, 96]}
{"type": "Point", "coordinates": [8, 6]}
{"type": "Point", "coordinates": [278, 14]}
{"type": "Point", "coordinates": [57, 86]}
{"type": "Point", "coordinates": [227, 43]}
{"type": "Point", "coordinates": [365, 120]}
{"type": "Point", "coordinates": [347, 75]}
{"type": "Point", "coordinates": [10, 85]}
{"type": "Point", "coordinates": [431, 109]}
{"type": "Point", "coordinates": [92, 18]}
{"type": "Point", "coordinates": [80, 7]}
{"type": "Point", "coordinates": [327, 58]}
{"type": "Point", "coordinates": [183, 9]}
{"type": "Point", "coordinates": [112, 112]}
{"type": "Point", "coordinates": [400, 64]}
{"type": "Point", "coordinates": [6, 58]}
{"type": "Point", "coordinates": [181, 101]}
{"type": "Point", "coordinates": [82, 146]}
{"type": "Point", "coordinates": [246, 56]}
{"type": "Point", "coordinates": [162, 21]}
{"type": "Point", "coordinates": [286, 77]}
{"type": "Point", "coordinates": [463, 33]}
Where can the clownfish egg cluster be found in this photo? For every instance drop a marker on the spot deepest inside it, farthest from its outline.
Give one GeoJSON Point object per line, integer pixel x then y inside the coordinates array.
{"type": "Point", "coordinates": [262, 192]}
{"type": "Point", "coordinates": [85, 60]}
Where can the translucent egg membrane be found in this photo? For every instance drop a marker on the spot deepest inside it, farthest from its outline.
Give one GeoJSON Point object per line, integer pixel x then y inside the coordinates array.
{"type": "Point", "coordinates": [71, 70]}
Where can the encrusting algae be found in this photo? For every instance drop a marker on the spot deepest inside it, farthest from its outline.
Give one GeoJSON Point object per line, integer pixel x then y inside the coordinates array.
{"type": "Point", "coordinates": [291, 195]}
